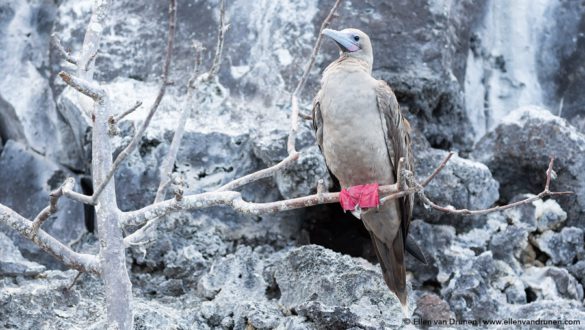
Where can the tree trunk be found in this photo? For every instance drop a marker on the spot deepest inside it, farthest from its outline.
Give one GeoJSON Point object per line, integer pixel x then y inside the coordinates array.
{"type": "Point", "coordinates": [112, 253]}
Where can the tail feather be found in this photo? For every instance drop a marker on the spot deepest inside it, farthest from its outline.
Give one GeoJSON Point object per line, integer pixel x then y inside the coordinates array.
{"type": "Point", "coordinates": [392, 263]}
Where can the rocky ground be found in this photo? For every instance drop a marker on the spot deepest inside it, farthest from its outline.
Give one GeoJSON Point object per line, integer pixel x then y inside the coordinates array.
{"type": "Point", "coordinates": [312, 268]}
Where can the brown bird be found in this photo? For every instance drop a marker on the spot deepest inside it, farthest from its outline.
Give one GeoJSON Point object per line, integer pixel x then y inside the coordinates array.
{"type": "Point", "coordinates": [362, 134]}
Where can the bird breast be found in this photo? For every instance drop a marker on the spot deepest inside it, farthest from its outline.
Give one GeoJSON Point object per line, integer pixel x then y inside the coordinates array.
{"type": "Point", "coordinates": [353, 138]}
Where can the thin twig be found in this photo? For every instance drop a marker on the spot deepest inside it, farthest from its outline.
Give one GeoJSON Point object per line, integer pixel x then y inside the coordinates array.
{"type": "Point", "coordinates": [546, 192]}
{"type": "Point", "coordinates": [252, 177]}
{"type": "Point", "coordinates": [90, 60]}
{"type": "Point", "coordinates": [56, 43]}
{"type": "Point", "coordinates": [437, 170]}
{"type": "Point", "coordinates": [165, 82]}
{"type": "Point", "coordinates": [83, 86]}
{"type": "Point", "coordinates": [52, 208]}
{"type": "Point", "coordinates": [305, 116]}
{"type": "Point", "coordinates": [127, 112]}
{"type": "Point", "coordinates": [220, 37]}
{"type": "Point", "coordinates": [74, 280]}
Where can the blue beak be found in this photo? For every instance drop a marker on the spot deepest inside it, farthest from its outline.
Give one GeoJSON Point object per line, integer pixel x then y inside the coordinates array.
{"type": "Point", "coordinates": [344, 41]}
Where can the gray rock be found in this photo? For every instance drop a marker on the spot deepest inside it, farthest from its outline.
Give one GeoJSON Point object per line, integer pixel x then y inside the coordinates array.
{"type": "Point", "coordinates": [578, 271]}
{"type": "Point", "coordinates": [518, 151]}
{"type": "Point", "coordinates": [27, 107]}
{"type": "Point", "coordinates": [551, 283]}
{"type": "Point", "coordinates": [27, 179]}
{"type": "Point", "coordinates": [563, 248]}
{"type": "Point", "coordinates": [335, 291]}
{"type": "Point", "coordinates": [470, 293]}
{"type": "Point", "coordinates": [509, 244]}
{"type": "Point", "coordinates": [12, 263]}
{"type": "Point", "coordinates": [549, 215]}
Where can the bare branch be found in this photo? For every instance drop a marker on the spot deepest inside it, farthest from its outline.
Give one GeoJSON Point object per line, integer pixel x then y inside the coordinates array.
{"type": "Point", "coordinates": [92, 38]}
{"type": "Point", "coordinates": [305, 116]}
{"type": "Point", "coordinates": [227, 197]}
{"type": "Point", "coordinates": [220, 37]}
{"type": "Point", "coordinates": [438, 169]}
{"type": "Point", "coordinates": [82, 262]}
{"type": "Point", "coordinates": [451, 210]}
{"type": "Point", "coordinates": [78, 197]}
{"type": "Point", "coordinates": [235, 184]}
{"type": "Point", "coordinates": [166, 168]}
{"type": "Point", "coordinates": [127, 112]}
{"type": "Point", "coordinates": [165, 77]}
{"type": "Point", "coordinates": [83, 86]}
{"type": "Point", "coordinates": [56, 43]}
{"type": "Point", "coordinates": [52, 208]}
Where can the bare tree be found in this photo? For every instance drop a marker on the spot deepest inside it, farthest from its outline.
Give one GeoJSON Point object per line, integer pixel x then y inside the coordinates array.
{"type": "Point", "coordinates": [110, 263]}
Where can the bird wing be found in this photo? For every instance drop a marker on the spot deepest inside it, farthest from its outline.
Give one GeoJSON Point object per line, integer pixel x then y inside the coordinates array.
{"type": "Point", "coordinates": [318, 120]}
{"type": "Point", "coordinates": [397, 135]}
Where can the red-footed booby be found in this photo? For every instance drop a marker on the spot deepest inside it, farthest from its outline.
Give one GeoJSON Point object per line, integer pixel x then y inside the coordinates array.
{"type": "Point", "coordinates": [362, 134]}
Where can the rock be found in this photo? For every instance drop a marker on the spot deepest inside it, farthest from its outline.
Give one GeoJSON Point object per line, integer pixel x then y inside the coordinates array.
{"type": "Point", "coordinates": [12, 263]}
{"type": "Point", "coordinates": [335, 291]}
{"type": "Point", "coordinates": [517, 152]}
{"type": "Point", "coordinates": [235, 285]}
{"type": "Point", "coordinates": [470, 293]}
{"type": "Point", "coordinates": [509, 244]}
{"type": "Point", "coordinates": [549, 215]}
{"type": "Point", "coordinates": [27, 107]}
{"type": "Point", "coordinates": [564, 247]}
{"type": "Point", "coordinates": [432, 307]}
{"type": "Point", "coordinates": [578, 271]}
{"type": "Point", "coordinates": [552, 283]}
{"type": "Point", "coordinates": [26, 303]}
{"type": "Point", "coordinates": [27, 179]}
{"type": "Point", "coordinates": [436, 242]}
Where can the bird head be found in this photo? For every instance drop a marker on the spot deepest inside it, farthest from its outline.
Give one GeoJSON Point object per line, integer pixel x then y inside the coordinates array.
{"type": "Point", "coordinates": [352, 43]}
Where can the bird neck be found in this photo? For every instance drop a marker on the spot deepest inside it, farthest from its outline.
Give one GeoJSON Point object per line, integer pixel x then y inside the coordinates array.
{"type": "Point", "coordinates": [349, 63]}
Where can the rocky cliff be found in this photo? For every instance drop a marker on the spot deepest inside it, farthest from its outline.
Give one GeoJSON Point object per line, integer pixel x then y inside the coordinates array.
{"type": "Point", "coordinates": [500, 84]}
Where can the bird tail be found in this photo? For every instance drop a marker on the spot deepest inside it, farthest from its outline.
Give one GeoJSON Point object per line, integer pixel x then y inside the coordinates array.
{"type": "Point", "coordinates": [392, 262]}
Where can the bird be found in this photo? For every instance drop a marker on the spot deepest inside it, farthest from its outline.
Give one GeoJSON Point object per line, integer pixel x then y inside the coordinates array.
{"type": "Point", "coordinates": [362, 135]}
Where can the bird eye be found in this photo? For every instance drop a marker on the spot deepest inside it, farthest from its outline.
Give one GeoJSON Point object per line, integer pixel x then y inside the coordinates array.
{"type": "Point", "coordinates": [356, 38]}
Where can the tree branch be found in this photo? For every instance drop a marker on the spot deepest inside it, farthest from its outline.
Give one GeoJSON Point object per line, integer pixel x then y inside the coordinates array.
{"type": "Point", "coordinates": [83, 86]}
{"type": "Point", "coordinates": [127, 112]}
{"type": "Point", "coordinates": [56, 43]}
{"type": "Point", "coordinates": [234, 200]}
{"type": "Point", "coordinates": [451, 210]}
{"type": "Point", "coordinates": [220, 37]}
{"type": "Point", "coordinates": [81, 262]}
{"type": "Point", "coordinates": [52, 208]}
{"type": "Point", "coordinates": [165, 82]}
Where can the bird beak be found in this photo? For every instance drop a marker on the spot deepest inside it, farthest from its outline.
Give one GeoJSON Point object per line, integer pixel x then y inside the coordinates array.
{"type": "Point", "coordinates": [343, 40]}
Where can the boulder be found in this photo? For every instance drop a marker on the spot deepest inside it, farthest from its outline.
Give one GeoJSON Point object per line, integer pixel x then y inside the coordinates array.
{"type": "Point", "coordinates": [518, 150]}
